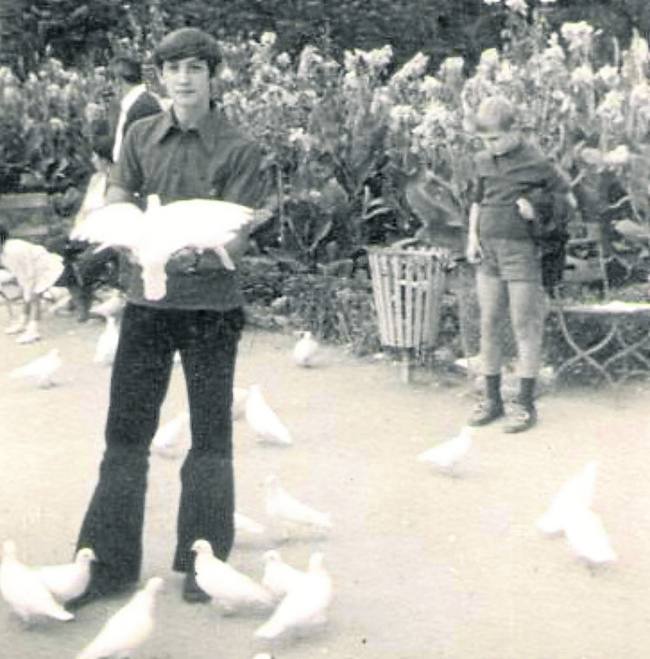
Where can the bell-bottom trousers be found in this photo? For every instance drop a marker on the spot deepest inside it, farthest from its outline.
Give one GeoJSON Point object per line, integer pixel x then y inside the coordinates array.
{"type": "Point", "coordinates": [207, 341]}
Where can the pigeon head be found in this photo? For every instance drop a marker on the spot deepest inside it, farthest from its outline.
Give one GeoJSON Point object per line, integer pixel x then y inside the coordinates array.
{"type": "Point", "coordinates": [201, 547]}
{"type": "Point", "coordinates": [271, 556]}
{"type": "Point", "coordinates": [85, 555]}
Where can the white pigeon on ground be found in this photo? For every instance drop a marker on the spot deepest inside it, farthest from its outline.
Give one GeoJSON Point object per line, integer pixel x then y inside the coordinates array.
{"type": "Point", "coordinates": [587, 538]}
{"type": "Point", "coordinates": [304, 606]}
{"type": "Point", "coordinates": [23, 590]}
{"type": "Point", "coordinates": [128, 628]}
{"type": "Point", "coordinates": [279, 577]}
{"type": "Point", "coordinates": [68, 580]}
{"type": "Point", "coordinates": [264, 422]}
{"type": "Point", "coordinates": [170, 438]}
{"type": "Point", "coordinates": [153, 236]}
{"type": "Point", "coordinates": [306, 350]}
{"type": "Point", "coordinates": [231, 590]}
{"type": "Point", "coordinates": [576, 494]}
{"type": "Point", "coordinates": [287, 511]}
{"type": "Point", "coordinates": [41, 370]}
{"type": "Point", "coordinates": [244, 524]}
{"type": "Point", "coordinates": [446, 455]}
{"type": "Point", "coordinates": [107, 342]}
{"type": "Point", "coordinates": [239, 397]}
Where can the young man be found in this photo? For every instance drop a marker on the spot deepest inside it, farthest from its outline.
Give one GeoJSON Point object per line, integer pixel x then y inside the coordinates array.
{"type": "Point", "coordinates": [188, 151]}
{"type": "Point", "coordinates": [509, 270]}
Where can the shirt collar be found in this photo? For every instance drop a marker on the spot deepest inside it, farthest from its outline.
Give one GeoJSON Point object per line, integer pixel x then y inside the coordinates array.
{"type": "Point", "coordinates": [207, 127]}
{"type": "Point", "coordinates": [131, 96]}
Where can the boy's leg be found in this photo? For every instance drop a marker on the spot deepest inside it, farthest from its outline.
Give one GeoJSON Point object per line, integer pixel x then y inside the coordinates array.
{"type": "Point", "coordinates": [492, 299]}
{"type": "Point", "coordinates": [206, 508]}
{"type": "Point", "coordinates": [527, 313]}
{"type": "Point", "coordinates": [113, 523]}
{"type": "Point", "coordinates": [21, 323]}
{"type": "Point", "coordinates": [33, 312]}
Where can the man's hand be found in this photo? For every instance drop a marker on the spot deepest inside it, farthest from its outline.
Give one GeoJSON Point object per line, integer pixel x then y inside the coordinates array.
{"type": "Point", "coordinates": [525, 208]}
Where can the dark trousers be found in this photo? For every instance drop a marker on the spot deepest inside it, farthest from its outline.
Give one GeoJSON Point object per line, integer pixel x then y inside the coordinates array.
{"type": "Point", "coordinates": [207, 342]}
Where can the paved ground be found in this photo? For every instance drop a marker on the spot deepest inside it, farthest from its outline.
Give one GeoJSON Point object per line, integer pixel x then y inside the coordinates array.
{"type": "Point", "coordinates": [423, 565]}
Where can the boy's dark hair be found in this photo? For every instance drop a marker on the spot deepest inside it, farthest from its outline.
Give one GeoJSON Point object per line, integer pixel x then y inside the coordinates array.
{"type": "Point", "coordinates": [4, 234]}
{"type": "Point", "coordinates": [102, 145]}
{"type": "Point", "coordinates": [188, 42]}
{"type": "Point", "coordinates": [127, 69]}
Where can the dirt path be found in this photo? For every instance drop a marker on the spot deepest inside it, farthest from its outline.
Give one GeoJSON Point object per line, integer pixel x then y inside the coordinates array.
{"type": "Point", "coordinates": [424, 565]}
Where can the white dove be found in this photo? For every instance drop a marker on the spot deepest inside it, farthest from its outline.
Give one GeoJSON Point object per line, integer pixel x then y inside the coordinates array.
{"type": "Point", "coordinates": [107, 343]}
{"type": "Point", "coordinates": [239, 397]}
{"type": "Point", "coordinates": [68, 580]}
{"type": "Point", "coordinates": [23, 590]}
{"type": "Point", "coordinates": [446, 455]}
{"type": "Point", "coordinates": [128, 628]}
{"type": "Point", "coordinates": [575, 494]}
{"type": "Point", "coordinates": [244, 524]}
{"type": "Point", "coordinates": [287, 511]}
{"type": "Point", "coordinates": [304, 606]}
{"type": "Point", "coordinates": [230, 589]}
{"type": "Point", "coordinates": [162, 230]}
{"type": "Point", "coordinates": [40, 370]}
{"type": "Point", "coordinates": [587, 537]}
{"type": "Point", "coordinates": [305, 350]}
{"type": "Point", "coordinates": [168, 440]}
{"type": "Point", "coordinates": [279, 577]}
{"type": "Point", "coordinates": [264, 422]}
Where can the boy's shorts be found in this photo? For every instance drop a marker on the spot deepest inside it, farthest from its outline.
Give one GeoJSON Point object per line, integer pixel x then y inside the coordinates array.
{"type": "Point", "coordinates": [511, 260]}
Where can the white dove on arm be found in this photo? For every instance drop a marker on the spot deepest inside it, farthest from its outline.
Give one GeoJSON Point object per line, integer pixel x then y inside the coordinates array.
{"type": "Point", "coordinates": [127, 629]}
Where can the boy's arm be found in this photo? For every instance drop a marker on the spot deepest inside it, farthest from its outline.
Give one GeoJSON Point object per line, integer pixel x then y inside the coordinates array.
{"type": "Point", "coordinates": [473, 249]}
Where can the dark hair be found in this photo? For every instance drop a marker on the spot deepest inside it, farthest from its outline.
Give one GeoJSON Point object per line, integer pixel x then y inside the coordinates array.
{"type": "Point", "coordinates": [188, 42]}
{"type": "Point", "coordinates": [102, 145]}
{"type": "Point", "coordinates": [4, 234]}
{"type": "Point", "coordinates": [127, 69]}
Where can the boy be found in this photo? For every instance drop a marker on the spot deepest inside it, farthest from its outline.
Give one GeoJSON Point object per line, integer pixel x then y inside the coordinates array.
{"type": "Point", "coordinates": [189, 151]}
{"type": "Point", "coordinates": [35, 270]}
{"type": "Point", "coordinates": [500, 241]}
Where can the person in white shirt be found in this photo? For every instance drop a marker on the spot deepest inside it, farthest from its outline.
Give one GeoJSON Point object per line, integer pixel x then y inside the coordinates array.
{"type": "Point", "coordinates": [36, 270]}
{"type": "Point", "coordinates": [136, 102]}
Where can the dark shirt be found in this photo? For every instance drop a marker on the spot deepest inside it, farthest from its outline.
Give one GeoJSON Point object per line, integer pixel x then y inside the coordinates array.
{"type": "Point", "coordinates": [212, 161]}
{"type": "Point", "coordinates": [503, 179]}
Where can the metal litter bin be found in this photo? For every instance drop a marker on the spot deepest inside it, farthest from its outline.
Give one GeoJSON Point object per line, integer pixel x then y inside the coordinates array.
{"type": "Point", "coordinates": [408, 286]}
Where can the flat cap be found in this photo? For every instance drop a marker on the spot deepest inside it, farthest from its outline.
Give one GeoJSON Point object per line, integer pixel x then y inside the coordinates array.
{"type": "Point", "coordinates": [188, 42]}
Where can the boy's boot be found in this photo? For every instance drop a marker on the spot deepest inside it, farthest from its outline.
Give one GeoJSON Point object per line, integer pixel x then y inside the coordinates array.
{"type": "Point", "coordinates": [522, 414]}
{"type": "Point", "coordinates": [489, 408]}
{"type": "Point", "coordinates": [30, 334]}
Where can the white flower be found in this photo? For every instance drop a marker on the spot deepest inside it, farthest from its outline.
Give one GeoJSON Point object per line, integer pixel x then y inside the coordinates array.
{"type": "Point", "coordinates": [430, 86]}
{"type": "Point", "coordinates": [491, 2]}
{"type": "Point", "coordinates": [401, 115]}
{"type": "Point", "coordinates": [618, 156]}
{"type": "Point", "coordinates": [518, 6]}
{"type": "Point", "coordinates": [283, 60]}
{"type": "Point", "coordinates": [582, 74]}
{"type": "Point", "coordinates": [548, 2]}
{"type": "Point", "coordinates": [452, 65]}
{"type": "Point", "coordinates": [489, 58]}
{"type": "Point", "coordinates": [308, 58]}
{"type": "Point", "coordinates": [378, 58]}
{"type": "Point", "coordinates": [608, 74]}
{"type": "Point", "coordinates": [611, 107]}
{"type": "Point", "coordinates": [268, 38]}
{"type": "Point", "coordinates": [505, 73]}
{"type": "Point", "coordinates": [56, 123]}
{"type": "Point", "coordinates": [227, 74]}
{"type": "Point", "coordinates": [640, 94]}
{"type": "Point", "coordinates": [414, 68]}
{"type": "Point", "coordinates": [436, 112]}
{"type": "Point", "coordinates": [578, 35]}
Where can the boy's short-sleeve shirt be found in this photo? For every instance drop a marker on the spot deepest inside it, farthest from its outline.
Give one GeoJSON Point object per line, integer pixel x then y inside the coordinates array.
{"type": "Point", "coordinates": [503, 179]}
{"type": "Point", "coordinates": [211, 161]}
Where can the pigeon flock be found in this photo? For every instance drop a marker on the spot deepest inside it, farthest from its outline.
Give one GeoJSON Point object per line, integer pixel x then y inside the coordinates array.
{"type": "Point", "coordinates": [293, 600]}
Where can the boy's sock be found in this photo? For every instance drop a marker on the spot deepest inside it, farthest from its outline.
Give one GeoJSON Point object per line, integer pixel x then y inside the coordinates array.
{"type": "Point", "coordinates": [526, 395]}
{"type": "Point", "coordinates": [493, 387]}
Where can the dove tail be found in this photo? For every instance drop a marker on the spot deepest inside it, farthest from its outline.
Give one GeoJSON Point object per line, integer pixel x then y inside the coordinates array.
{"type": "Point", "coordinates": [59, 613]}
{"type": "Point", "coordinates": [269, 630]}
{"type": "Point", "coordinates": [154, 280]}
